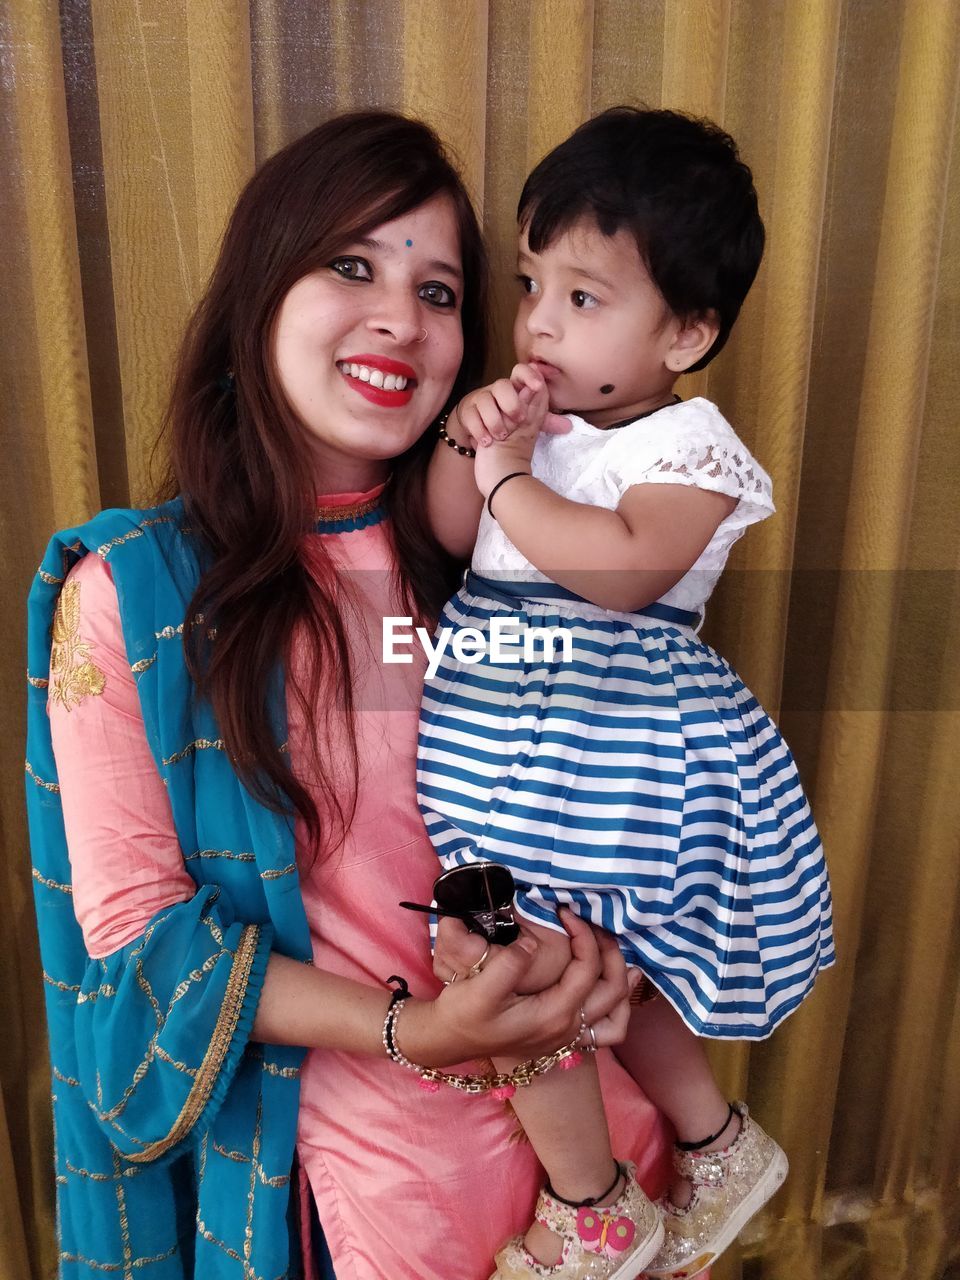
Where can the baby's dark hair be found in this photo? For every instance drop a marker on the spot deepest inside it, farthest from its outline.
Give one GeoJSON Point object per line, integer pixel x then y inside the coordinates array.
{"type": "Point", "coordinates": [678, 185]}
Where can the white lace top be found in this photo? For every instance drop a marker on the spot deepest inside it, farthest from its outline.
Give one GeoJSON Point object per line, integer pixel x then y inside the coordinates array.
{"type": "Point", "coordinates": [690, 443]}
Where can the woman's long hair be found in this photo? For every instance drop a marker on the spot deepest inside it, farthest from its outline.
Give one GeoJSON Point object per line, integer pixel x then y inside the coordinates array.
{"type": "Point", "coordinates": [238, 450]}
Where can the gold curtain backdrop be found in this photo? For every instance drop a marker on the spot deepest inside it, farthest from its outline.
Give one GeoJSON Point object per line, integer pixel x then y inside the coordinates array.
{"type": "Point", "coordinates": [127, 129]}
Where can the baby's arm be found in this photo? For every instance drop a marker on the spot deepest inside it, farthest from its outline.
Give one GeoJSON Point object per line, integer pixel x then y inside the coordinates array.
{"type": "Point", "coordinates": [620, 560]}
{"type": "Point", "coordinates": [482, 418]}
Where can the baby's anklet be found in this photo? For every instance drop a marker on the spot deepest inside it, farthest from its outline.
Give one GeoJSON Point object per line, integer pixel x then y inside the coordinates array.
{"type": "Point", "coordinates": [592, 1200]}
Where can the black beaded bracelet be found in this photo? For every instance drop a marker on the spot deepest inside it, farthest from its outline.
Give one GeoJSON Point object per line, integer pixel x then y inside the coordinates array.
{"type": "Point", "coordinates": [501, 481]}
{"type": "Point", "coordinates": [401, 993]}
{"type": "Point", "coordinates": [462, 449]}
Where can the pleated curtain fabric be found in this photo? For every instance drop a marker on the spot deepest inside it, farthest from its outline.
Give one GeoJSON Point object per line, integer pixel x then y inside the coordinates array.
{"type": "Point", "coordinates": [127, 128]}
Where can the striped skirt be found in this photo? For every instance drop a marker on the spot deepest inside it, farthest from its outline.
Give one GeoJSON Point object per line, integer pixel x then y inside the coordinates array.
{"type": "Point", "coordinates": [634, 778]}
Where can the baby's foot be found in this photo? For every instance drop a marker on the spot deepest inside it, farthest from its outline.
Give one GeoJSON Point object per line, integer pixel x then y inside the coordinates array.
{"type": "Point", "coordinates": [728, 1187]}
{"type": "Point", "coordinates": [546, 1245]}
{"type": "Point", "coordinates": [681, 1189]}
{"type": "Point", "coordinates": [610, 1241]}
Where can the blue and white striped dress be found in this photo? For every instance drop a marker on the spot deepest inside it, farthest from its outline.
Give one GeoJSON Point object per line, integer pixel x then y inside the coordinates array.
{"type": "Point", "coordinates": [639, 782]}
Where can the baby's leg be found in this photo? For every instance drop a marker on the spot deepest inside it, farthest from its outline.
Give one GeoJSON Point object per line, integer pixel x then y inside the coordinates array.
{"type": "Point", "coordinates": [726, 1167]}
{"type": "Point", "coordinates": [562, 1113]}
{"type": "Point", "coordinates": [669, 1064]}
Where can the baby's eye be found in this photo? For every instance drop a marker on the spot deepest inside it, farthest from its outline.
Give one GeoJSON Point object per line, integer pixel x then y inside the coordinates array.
{"type": "Point", "coordinates": [527, 285]}
{"type": "Point", "coordinates": [584, 301]}
{"type": "Point", "coordinates": [352, 268]}
{"type": "Point", "coordinates": [440, 295]}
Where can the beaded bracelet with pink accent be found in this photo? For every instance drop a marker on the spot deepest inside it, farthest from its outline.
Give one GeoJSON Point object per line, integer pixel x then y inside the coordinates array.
{"type": "Point", "coordinates": [502, 1085]}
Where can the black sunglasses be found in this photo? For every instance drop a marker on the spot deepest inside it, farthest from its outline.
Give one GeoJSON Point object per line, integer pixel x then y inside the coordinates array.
{"type": "Point", "coordinates": [480, 894]}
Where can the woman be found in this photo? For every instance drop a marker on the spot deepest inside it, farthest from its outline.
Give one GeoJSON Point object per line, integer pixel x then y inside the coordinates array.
{"type": "Point", "coordinates": [232, 770]}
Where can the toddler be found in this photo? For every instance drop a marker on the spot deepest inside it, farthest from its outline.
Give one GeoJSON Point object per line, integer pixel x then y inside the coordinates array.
{"type": "Point", "coordinates": [634, 779]}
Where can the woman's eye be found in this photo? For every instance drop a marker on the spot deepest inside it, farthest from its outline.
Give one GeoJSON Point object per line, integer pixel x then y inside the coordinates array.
{"type": "Point", "coordinates": [440, 295]}
{"type": "Point", "coordinates": [583, 300]}
{"type": "Point", "coordinates": [527, 285]}
{"type": "Point", "coordinates": [352, 268]}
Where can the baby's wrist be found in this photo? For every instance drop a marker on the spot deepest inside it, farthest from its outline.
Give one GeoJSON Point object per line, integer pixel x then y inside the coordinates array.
{"type": "Point", "coordinates": [517, 470]}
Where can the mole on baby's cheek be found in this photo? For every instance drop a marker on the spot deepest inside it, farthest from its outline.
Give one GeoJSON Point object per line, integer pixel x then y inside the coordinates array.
{"type": "Point", "coordinates": [606, 388]}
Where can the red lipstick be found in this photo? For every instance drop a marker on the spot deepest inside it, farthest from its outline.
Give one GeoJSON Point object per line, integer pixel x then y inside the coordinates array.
{"type": "Point", "coordinates": [383, 363]}
{"type": "Point", "coordinates": [380, 395]}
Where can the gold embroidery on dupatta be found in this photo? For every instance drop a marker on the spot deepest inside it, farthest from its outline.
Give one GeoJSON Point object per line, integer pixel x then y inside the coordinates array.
{"type": "Point", "coordinates": [201, 744]}
{"type": "Point", "coordinates": [73, 675]}
{"type": "Point", "coordinates": [51, 884]}
{"type": "Point", "coordinates": [60, 986]}
{"type": "Point", "coordinates": [53, 787]}
{"type": "Point", "coordinates": [288, 870]}
{"type": "Point", "coordinates": [220, 1042]}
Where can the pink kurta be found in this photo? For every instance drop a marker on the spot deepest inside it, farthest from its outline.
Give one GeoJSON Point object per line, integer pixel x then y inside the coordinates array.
{"type": "Point", "coordinates": [408, 1185]}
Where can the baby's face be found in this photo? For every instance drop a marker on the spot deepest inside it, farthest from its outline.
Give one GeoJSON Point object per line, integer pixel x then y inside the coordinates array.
{"type": "Point", "coordinates": [593, 322]}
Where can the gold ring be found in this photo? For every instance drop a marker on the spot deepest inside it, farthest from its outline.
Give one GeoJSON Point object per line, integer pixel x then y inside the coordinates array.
{"type": "Point", "coordinates": [448, 982]}
{"type": "Point", "coordinates": [478, 967]}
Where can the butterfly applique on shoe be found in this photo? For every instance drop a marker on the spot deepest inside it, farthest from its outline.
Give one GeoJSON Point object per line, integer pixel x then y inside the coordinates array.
{"type": "Point", "coordinates": [613, 1242]}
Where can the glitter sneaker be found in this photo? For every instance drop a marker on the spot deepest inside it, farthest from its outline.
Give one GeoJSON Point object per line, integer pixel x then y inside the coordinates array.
{"type": "Point", "coordinates": [611, 1243]}
{"type": "Point", "coordinates": [729, 1187]}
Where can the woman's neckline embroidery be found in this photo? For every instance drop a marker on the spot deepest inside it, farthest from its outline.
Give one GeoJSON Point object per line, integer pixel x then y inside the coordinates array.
{"type": "Point", "coordinates": [329, 513]}
{"type": "Point", "coordinates": [344, 513]}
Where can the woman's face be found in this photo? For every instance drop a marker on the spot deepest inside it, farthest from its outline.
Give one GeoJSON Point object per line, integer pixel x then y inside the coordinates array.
{"type": "Point", "coordinates": [386, 307]}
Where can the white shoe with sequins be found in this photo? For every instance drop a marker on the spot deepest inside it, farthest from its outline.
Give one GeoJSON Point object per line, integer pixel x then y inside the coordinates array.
{"type": "Point", "coordinates": [611, 1243]}
{"type": "Point", "coordinates": [729, 1187]}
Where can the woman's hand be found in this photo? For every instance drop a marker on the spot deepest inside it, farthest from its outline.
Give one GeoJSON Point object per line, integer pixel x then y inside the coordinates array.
{"type": "Point", "coordinates": [485, 1016]}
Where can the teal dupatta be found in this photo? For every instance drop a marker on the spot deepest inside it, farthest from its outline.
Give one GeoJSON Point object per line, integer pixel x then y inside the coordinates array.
{"type": "Point", "coordinates": [175, 1135]}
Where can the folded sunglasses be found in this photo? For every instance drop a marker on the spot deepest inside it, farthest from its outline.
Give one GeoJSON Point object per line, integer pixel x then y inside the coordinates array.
{"type": "Point", "coordinates": [481, 895]}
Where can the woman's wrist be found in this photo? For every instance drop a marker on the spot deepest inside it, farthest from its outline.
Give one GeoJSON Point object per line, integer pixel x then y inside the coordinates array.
{"type": "Point", "coordinates": [453, 436]}
{"type": "Point", "coordinates": [501, 1084]}
{"type": "Point", "coordinates": [421, 1037]}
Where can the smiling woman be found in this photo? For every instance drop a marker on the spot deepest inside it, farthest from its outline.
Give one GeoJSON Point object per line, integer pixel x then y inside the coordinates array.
{"type": "Point", "coordinates": [228, 795]}
{"type": "Point", "coordinates": [380, 312]}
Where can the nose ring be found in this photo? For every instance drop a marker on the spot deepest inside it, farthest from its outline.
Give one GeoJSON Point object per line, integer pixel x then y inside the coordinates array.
{"type": "Point", "coordinates": [423, 336]}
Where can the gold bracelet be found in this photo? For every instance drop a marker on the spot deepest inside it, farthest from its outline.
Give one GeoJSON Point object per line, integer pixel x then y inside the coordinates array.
{"type": "Point", "coordinates": [501, 1084]}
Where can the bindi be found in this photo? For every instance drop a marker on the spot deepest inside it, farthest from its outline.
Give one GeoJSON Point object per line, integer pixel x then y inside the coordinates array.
{"type": "Point", "coordinates": [606, 388]}
{"type": "Point", "coordinates": [409, 244]}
